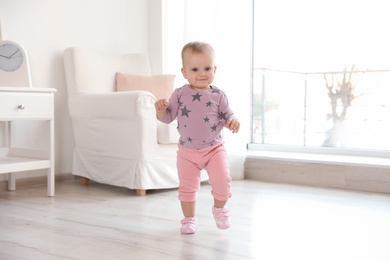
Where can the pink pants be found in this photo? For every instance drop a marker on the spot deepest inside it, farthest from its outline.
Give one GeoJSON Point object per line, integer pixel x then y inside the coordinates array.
{"type": "Point", "coordinates": [214, 160]}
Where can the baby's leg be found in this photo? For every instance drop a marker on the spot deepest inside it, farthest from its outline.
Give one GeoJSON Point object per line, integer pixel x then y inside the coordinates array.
{"type": "Point", "coordinates": [189, 176]}
{"type": "Point", "coordinates": [219, 177]}
{"type": "Point", "coordinates": [188, 208]}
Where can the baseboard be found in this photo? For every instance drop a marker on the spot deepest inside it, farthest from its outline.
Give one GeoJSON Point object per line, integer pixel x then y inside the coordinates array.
{"type": "Point", "coordinates": [35, 181]}
{"type": "Point", "coordinates": [342, 176]}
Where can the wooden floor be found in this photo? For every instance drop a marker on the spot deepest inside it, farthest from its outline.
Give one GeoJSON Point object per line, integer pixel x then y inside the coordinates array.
{"type": "Point", "coordinates": [269, 221]}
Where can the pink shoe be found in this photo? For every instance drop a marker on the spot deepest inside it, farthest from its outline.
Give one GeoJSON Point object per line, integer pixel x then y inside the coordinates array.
{"type": "Point", "coordinates": [221, 216]}
{"type": "Point", "coordinates": [188, 225]}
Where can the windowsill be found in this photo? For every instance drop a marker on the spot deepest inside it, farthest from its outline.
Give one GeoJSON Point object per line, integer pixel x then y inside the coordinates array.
{"type": "Point", "coordinates": [321, 158]}
{"type": "Point", "coordinates": [320, 155]}
{"type": "Point", "coordinates": [332, 168]}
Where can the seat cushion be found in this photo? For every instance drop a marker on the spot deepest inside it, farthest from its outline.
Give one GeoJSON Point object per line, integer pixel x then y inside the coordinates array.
{"type": "Point", "coordinates": [167, 133]}
{"type": "Point", "coordinates": [161, 86]}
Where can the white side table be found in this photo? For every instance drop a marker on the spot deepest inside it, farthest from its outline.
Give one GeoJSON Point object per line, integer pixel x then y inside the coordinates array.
{"type": "Point", "coordinates": [23, 103]}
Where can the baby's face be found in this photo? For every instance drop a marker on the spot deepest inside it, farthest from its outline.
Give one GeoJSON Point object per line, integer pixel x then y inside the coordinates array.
{"type": "Point", "coordinates": [199, 69]}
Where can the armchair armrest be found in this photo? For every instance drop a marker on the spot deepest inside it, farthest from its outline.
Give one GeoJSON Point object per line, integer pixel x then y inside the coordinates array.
{"type": "Point", "coordinates": [113, 105]}
{"type": "Point", "coordinates": [118, 120]}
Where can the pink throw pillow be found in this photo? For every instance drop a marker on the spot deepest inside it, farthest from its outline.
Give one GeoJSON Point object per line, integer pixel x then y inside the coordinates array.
{"type": "Point", "coordinates": [161, 86]}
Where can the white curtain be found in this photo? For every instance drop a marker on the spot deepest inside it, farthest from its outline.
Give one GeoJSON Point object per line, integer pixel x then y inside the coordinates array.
{"type": "Point", "coordinates": [226, 25]}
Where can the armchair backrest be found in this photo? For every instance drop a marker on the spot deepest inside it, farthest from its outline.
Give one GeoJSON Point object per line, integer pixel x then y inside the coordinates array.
{"type": "Point", "coordinates": [91, 72]}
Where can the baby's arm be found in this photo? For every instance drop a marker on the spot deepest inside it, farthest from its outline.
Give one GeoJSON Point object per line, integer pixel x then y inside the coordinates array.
{"type": "Point", "coordinates": [233, 125]}
{"type": "Point", "coordinates": [161, 108]}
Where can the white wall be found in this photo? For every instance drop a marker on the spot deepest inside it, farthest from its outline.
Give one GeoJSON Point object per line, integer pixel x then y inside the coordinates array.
{"type": "Point", "coordinates": [45, 28]}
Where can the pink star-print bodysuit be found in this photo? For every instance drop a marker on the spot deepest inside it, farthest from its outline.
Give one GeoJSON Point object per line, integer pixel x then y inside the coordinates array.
{"type": "Point", "coordinates": [201, 116]}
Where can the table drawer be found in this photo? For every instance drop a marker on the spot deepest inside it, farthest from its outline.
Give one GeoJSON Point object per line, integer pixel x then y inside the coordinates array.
{"type": "Point", "coordinates": [26, 106]}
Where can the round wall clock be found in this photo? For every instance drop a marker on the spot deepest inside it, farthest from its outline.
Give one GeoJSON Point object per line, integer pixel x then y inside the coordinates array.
{"type": "Point", "coordinates": [11, 57]}
{"type": "Point", "coordinates": [14, 65]}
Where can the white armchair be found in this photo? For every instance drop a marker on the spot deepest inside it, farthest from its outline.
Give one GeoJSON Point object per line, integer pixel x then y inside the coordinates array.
{"type": "Point", "coordinates": [116, 133]}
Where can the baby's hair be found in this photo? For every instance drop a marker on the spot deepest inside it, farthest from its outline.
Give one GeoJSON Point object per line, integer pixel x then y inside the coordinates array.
{"type": "Point", "coordinates": [197, 47]}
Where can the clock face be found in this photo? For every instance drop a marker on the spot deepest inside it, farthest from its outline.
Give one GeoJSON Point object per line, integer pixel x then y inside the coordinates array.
{"type": "Point", "coordinates": [11, 57]}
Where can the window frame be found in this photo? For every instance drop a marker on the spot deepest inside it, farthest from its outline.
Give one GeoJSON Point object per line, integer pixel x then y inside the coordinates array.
{"type": "Point", "coordinates": [252, 146]}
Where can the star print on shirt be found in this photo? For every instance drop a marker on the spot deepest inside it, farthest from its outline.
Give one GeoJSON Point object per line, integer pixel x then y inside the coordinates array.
{"type": "Point", "coordinates": [184, 111]}
{"type": "Point", "coordinates": [196, 97]}
{"type": "Point", "coordinates": [206, 119]}
{"type": "Point", "coordinates": [208, 104]}
{"type": "Point", "coordinates": [179, 102]}
{"type": "Point", "coordinates": [215, 90]}
{"type": "Point", "coordinates": [222, 115]}
{"type": "Point", "coordinates": [189, 139]}
{"type": "Point", "coordinates": [214, 128]}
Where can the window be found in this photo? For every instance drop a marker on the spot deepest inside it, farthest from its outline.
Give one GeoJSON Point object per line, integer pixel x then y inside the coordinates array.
{"type": "Point", "coordinates": [321, 74]}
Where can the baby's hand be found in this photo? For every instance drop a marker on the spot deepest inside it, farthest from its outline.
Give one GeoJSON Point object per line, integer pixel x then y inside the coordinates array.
{"type": "Point", "coordinates": [161, 105]}
{"type": "Point", "coordinates": [233, 125]}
